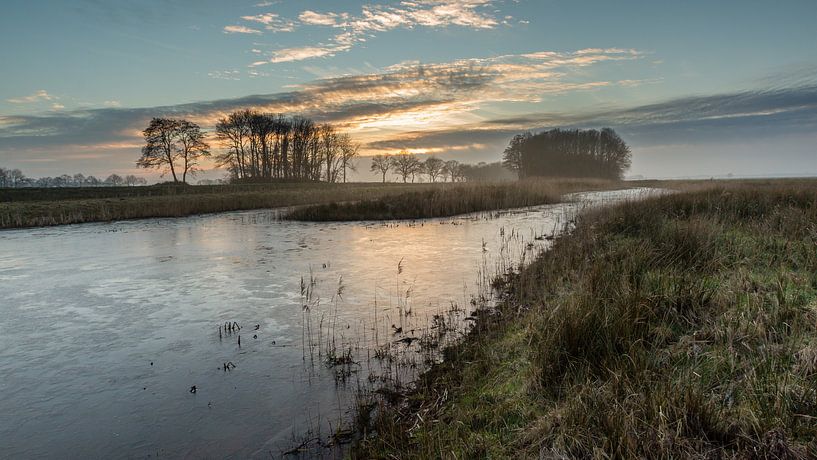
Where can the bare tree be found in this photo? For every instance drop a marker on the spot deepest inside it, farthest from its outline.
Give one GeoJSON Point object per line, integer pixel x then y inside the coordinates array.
{"type": "Point", "coordinates": [114, 179]}
{"type": "Point", "coordinates": [191, 147]}
{"type": "Point", "coordinates": [433, 166]}
{"type": "Point", "coordinates": [381, 164]}
{"type": "Point", "coordinates": [405, 165]}
{"type": "Point", "coordinates": [132, 180]}
{"type": "Point", "coordinates": [160, 146]}
{"type": "Point", "coordinates": [349, 151]}
{"type": "Point", "coordinates": [451, 170]}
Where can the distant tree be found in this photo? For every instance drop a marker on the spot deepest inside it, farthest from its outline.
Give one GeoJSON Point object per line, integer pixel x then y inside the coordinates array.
{"type": "Point", "coordinates": [434, 167]}
{"type": "Point", "coordinates": [114, 179]}
{"type": "Point", "coordinates": [191, 147]}
{"type": "Point", "coordinates": [349, 151]}
{"type": "Point", "coordinates": [405, 165]}
{"type": "Point", "coordinates": [569, 153]}
{"type": "Point", "coordinates": [491, 172]}
{"type": "Point", "coordinates": [91, 181]}
{"type": "Point", "coordinates": [78, 180]}
{"type": "Point", "coordinates": [160, 150]}
{"type": "Point", "coordinates": [131, 180]}
{"type": "Point", "coordinates": [512, 156]}
{"type": "Point", "coordinates": [452, 170]}
{"type": "Point", "coordinates": [17, 178]}
{"type": "Point", "coordinates": [381, 164]}
{"type": "Point", "coordinates": [5, 181]}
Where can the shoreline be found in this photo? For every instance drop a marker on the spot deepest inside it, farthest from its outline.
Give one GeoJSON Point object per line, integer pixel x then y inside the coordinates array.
{"type": "Point", "coordinates": [543, 373]}
{"type": "Point", "coordinates": [31, 213]}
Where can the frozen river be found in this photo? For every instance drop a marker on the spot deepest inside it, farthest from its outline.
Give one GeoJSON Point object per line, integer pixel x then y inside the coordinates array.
{"type": "Point", "coordinates": [106, 327]}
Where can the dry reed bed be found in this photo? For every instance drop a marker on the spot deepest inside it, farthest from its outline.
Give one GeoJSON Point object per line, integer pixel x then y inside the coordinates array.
{"type": "Point", "coordinates": [177, 201]}
{"type": "Point", "coordinates": [451, 200]}
{"type": "Point", "coordinates": [684, 326]}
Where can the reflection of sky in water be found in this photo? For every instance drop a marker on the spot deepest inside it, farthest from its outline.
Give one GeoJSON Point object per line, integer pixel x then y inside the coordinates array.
{"type": "Point", "coordinates": [85, 309]}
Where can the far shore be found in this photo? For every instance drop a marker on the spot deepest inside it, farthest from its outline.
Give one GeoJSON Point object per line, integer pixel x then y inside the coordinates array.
{"type": "Point", "coordinates": [32, 207]}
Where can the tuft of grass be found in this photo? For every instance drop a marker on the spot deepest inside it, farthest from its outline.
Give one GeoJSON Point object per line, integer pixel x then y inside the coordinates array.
{"type": "Point", "coordinates": [449, 200]}
{"type": "Point", "coordinates": [683, 326]}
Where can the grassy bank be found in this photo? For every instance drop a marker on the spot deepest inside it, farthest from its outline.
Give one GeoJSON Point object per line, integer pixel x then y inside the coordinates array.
{"type": "Point", "coordinates": [29, 208]}
{"type": "Point", "coordinates": [449, 200]}
{"type": "Point", "coordinates": [680, 327]}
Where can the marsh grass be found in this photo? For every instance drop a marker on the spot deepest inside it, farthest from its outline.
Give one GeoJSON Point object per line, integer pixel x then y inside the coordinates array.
{"type": "Point", "coordinates": [683, 326]}
{"type": "Point", "coordinates": [444, 200]}
{"type": "Point", "coordinates": [44, 207]}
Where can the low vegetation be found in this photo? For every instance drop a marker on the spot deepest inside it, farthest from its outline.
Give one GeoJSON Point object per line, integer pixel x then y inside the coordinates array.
{"type": "Point", "coordinates": [683, 326]}
{"type": "Point", "coordinates": [449, 200]}
{"type": "Point", "coordinates": [29, 207]}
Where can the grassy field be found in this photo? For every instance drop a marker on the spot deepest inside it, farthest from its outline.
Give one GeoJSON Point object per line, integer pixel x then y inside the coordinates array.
{"type": "Point", "coordinates": [683, 326]}
{"type": "Point", "coordinates": [451, 200]}
{"type": "Point", "coordinates": [56, 206]}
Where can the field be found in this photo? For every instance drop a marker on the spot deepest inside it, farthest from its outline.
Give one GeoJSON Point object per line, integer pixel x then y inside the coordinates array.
{"type": "Point", "coordinates": [684, 326]}
{"type": "Point", "coordinates": [57, 206]}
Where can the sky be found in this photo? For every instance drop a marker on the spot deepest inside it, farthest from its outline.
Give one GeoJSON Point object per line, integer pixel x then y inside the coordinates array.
{"type": "Point", "coordinates": [696, 88]}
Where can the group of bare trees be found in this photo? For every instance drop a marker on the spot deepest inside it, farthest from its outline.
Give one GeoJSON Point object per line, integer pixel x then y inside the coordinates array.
{"type": "Point", "coordinates": [406, 165]}
{"type": "Point", "coordinates": [261, 146]}
{"type": "Point", "coordinates": [568, 153]}
{"type": "Point", "coordinates": [16, 178]}
{"type": "Point", "coordinates": [11, 178]}
{"type": "Point", "coordinates": [173, 144]}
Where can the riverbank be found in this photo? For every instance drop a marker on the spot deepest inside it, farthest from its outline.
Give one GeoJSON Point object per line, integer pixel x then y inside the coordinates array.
{"type": "Point", "coordinates": [675, 327]}
{"type": "Point", "coordinates": [21, 208]}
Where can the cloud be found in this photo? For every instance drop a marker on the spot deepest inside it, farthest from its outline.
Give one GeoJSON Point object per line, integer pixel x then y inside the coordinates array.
{"type": "Point", "coordinates": [720, 119]}
{"type": "Point", "coordinates": [401, 98]}
{"type": "Point", "coordinates": [473, 14]}
{"type": "Point", "coordinates": [38, 96]}
{"type": "Point", "coordinates": [319, 19]}
{"type": "Point", "coordinates": [271, 21]}
{"type": "Point", "coordinates": [299, 54]}
{"type": "Point", "coordinates": [240, 30]}
{"type": "Point", "coordinates": [440, 108]}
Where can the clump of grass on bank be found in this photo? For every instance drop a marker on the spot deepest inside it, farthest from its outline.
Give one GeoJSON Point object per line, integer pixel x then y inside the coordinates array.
{"type": "Point", "coordinates": [449, 200]}
{"type": "Point", "coordinates": [683, 326]}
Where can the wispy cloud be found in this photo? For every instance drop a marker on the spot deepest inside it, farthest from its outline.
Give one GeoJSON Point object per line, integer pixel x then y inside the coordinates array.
{"type": "Point", "coordinates": [437, 108]}
{"type": "Point", "coordinates": [38, 96]}
{"type": "Point", "coordinates": [403, 97]}
{"type": "Point", "coordinates": [240, 30]}
{"type": "Point", "coordinates": [272, 22]}
{"type": "Point", "coordinates": [357, 28]}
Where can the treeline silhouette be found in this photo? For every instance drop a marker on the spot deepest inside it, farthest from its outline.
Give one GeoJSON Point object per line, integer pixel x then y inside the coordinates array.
{"type": "Point", "coordinates": [275, 146]}
{"type": "Point", "coordinates": [568, 153]}
{"type": "Point", "coordinates": [14, 178]}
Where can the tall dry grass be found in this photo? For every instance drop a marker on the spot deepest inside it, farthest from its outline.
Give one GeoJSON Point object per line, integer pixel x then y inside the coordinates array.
{"type": "Point", "coordinates": [450, 199]}
{"type": "Point", "coordinates": [69, 206]}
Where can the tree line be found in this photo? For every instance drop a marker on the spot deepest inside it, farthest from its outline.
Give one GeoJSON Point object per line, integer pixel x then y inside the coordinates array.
{"type": "Point", "coordinates": [568, 153]}
{"type": "Point", "coordinates": [406, 165]}
{"type": "Point", "coordinates": [14, 178]}
{"type": "Point", "coordinates": [256, 146]}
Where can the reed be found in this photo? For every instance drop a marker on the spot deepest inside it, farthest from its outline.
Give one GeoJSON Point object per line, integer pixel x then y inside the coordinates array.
{"type": "Point", "coordinates": [26, 208]}
{"type": "Point", "coordinates": [683, 326]}
{"type": "Point", "coordinates": [446, 200]}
